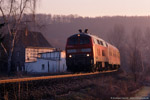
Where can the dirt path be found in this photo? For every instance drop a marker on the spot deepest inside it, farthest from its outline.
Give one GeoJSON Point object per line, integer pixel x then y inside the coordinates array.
{"type": "Point", "coordinates": [143, 94]}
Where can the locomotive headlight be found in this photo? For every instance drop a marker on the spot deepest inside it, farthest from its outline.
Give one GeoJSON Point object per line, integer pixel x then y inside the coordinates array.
{"type": "Point", "coordinates": [87, 55]}
{"type": "Point", "coordinates": [70, 56]}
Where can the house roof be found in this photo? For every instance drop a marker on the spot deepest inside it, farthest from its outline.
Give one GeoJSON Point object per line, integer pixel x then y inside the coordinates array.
{"type": "Point", "coordinates": [27, 39]}
{"type": "Point", "coordinates": [32, 39]}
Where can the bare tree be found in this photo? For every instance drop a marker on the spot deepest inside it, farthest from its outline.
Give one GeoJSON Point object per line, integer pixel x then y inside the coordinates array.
{"type": "Point", "coordinates": [135, 53]}
{"type": "Point", "coordinates": [146, 45]}
{"type": "Point", "coordinates": [12, 12]}
{"type": "Point", "coordinates": [146, 52]}
{"type": "Point", "coordinates": [117, 35]}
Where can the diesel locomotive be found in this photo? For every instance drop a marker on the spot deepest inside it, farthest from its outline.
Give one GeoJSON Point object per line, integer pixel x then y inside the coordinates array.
{"type": "Point", "coordinates": [89, 53]}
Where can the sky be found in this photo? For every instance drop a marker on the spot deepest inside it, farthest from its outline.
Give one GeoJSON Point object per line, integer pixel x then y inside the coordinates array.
{"type": "Point", "coordinates": [94, 8]}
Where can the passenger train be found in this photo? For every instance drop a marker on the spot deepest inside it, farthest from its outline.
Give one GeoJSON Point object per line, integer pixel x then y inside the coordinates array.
{"type": "Point", "coordinates": [89, 53]}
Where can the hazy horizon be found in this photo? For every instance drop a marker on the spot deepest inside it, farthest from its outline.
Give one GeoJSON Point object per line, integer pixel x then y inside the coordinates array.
{"type": "Point", "coordinates": [95, 8]}
{"type": "Point", "coordinates": [93, 16]}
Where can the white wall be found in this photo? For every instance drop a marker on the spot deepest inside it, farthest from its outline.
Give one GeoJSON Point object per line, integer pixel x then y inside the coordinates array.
{"type": "Point", "coordinates": [53, 66]}
{"type": "Point", "coordinates": [31, 53]}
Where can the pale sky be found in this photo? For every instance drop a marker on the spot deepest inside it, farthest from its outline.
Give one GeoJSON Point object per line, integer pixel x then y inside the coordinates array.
{"type": "Point", "coordinates": [93, 8]}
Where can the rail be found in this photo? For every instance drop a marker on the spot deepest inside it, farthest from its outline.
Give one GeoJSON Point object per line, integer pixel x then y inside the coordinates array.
{"type": "Point", "coordinates": [49, 77]}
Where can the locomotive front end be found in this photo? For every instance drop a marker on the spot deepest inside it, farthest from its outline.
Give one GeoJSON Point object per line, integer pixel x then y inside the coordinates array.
{"type": "Point", "coordinates": [79, 53]}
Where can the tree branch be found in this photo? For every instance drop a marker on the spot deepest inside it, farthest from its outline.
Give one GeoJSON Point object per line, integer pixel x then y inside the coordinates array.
{"type": "Point", "coordinates": [11, 6]}
{"type": "Point", "coordinates": [4, 48]}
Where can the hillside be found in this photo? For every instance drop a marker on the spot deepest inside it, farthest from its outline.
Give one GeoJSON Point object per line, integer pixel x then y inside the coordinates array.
{"type": "Point", "coordinates": [57, 28]}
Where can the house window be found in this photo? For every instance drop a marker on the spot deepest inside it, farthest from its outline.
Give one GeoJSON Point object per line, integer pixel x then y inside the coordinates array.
{"type": "Point", "coordinates": [63, 67]}
{"type": "Point", "coordinates": [43, 66]}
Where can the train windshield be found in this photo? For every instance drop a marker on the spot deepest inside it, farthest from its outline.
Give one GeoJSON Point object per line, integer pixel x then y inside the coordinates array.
{"type": "Point", "coordinates": [84, 40]}
{"type": "Point", "coordinates": [81, 39]}
{"type": "Point", "coordinates": [73, 40]}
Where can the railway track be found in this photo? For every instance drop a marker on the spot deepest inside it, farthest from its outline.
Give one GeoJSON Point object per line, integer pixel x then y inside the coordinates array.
{"type": "Point", "coordinates": [25, 88]}
{"type": "Point", "coordinates": [50, 77]}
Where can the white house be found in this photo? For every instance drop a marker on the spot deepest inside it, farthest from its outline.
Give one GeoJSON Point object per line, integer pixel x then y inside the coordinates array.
{"type": "Point", "coordinates": [50, 62]}
{"type": "Point", "coordinates": [31, 53]}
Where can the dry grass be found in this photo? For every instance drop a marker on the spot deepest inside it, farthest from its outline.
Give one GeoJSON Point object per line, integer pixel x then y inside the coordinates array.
{"type": "Point", "coordinates": [96, 88]}
{"type": "Point", "coordinates": [103, 89]}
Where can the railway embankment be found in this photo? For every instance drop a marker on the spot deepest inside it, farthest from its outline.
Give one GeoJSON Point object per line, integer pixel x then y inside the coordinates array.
{"type": "Point", "coordinates": [103, 86]}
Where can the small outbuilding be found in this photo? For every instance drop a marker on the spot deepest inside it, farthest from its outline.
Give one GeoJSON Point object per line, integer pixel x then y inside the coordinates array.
{"type": "Point", "coordinates": [50, 62]}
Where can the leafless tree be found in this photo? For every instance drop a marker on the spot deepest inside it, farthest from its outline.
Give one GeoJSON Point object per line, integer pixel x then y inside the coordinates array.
{"type": "Point", "coordinates": [146, 45]}
{"type": "Point", "coordinates": [12, 12]}
{"type": "Point", "coordinates": [135, 53]}
{"type": "Point", "coordinates": [117, 35]}
{"type": "Point", "coordinates": [146, 51]}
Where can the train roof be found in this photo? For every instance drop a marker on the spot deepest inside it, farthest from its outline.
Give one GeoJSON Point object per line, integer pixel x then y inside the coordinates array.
{"type": "Point", "coordinates": [91, 35]}
{"type": "Point", "coordinates": [96, 37]}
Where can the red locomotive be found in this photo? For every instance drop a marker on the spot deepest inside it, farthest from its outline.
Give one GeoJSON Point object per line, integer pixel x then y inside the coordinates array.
{"type": "Point", "coordinates": [86, 52]}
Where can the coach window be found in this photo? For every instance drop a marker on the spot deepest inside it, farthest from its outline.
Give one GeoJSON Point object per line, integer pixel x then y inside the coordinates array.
{"type": "Point", "coordinates": [106, 45]}
{"type": "Point", "coordinates": [103, 53]}
{"type": "Point", "coordinates": [97, 41]}
{"type": "Point", "coordinates": [102, 43]}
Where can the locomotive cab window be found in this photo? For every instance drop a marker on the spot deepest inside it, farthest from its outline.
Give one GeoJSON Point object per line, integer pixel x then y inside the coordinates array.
{"type": "Point", "coordinates": [73, 40]}
{"type": "Point", "coordinates": [84, 39]}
